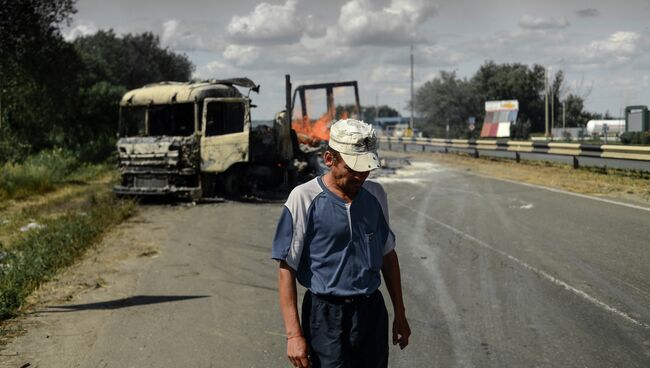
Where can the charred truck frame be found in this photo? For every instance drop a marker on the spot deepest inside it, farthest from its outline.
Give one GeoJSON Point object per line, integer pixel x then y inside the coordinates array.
{"type": "Point", "coordinates": [329, 93]}
{"type": "Point", "coordinates": [195, 139]}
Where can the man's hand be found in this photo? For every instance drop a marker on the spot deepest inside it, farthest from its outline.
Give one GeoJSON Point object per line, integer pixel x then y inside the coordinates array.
{"type": "Point", "coordinates": [401, 331]}
{"type": "Point", "coordinates": [390, 269]}
{"type": "Point", "coordinates": [296, 344]}
{"type": "Point", "coordinates": [297, 352]}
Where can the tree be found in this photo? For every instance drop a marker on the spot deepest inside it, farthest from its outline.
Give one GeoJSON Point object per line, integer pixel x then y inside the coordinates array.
{"type": "Point", "coordinates": [56, 93]}
{"type": "Point", "coordinates": [26, 26]}
{"type": "Point", "coordinates": [576, 116]}
{"type": "Point", "coordinates": [111, 66]}
{"type": "Point", "coordinates": [368, 112]}
{"type": "Point", "coordinates": [37, 71]}
{"type": "Point", "coordinates": [131, 61]}
{"type": "Point", "coordinates": [514, 82]}
{"type": "Point", "coordinates": [446, 100]}
{"type": "Point", "coordinates": [383, 111]}
{"type": "Point", "coordinates": [450, 100]}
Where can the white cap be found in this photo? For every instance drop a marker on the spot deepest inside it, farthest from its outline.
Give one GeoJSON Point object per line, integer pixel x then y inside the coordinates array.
{"type": "Point", "coordinates": [356, 141]}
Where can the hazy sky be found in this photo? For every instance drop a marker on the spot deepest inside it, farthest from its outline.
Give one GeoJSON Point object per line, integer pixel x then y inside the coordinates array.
{"type": "Point", "coordinates": [603, 46]}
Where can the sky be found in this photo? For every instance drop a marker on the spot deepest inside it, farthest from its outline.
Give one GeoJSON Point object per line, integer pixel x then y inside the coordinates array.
{"type": "Point", "coordinates": [602, 46]}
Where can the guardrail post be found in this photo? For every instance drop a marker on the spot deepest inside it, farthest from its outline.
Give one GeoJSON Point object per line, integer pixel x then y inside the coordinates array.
{"type": "Point", "coordinates": [475, 153]}
{"type": "Point", "coordinates": [424, 148]}
{"type": "Point", "coordinates": [446, 150]}
{"type": "Point", "coordinates": [404, 147]}
{"type": "Point", "coordinates": [575, 162]}
{"type": "Point", "coordinates": [390, 146]}
{"type": "Point", "coordinates": [517, 157]}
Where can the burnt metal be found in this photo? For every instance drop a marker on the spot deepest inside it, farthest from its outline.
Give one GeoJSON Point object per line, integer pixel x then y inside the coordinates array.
{"type": "Point", "coordinates": [329, 89]}
{"type": "Point", "coordinates": [158, 165]}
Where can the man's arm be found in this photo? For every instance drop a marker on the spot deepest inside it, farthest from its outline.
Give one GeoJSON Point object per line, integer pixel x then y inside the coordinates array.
{"type": "Point", "coordinates": [296, 344]}
{"type": "Point", "coordinates": [393, 279]}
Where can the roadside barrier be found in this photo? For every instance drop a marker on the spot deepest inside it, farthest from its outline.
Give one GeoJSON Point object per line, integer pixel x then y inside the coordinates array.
{"type": "Point", "coordinates": [575, 150]}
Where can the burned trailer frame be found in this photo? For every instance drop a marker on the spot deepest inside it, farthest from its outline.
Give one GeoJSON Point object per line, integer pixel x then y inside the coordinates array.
{"type": "Point", "coordinates": [329, 95]}
{"type": "Point", "coordinates": [184, 139]}
{"type": "Point", "coordinates": [307, 158]}
{"type": "Point", "coordinates": [300, 92]}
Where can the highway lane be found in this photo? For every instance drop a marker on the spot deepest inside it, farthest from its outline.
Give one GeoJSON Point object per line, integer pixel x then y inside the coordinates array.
{"type": "Point", "coordinates": [495, 274]}
{"type": "Point", "coordinates": [503, 275]}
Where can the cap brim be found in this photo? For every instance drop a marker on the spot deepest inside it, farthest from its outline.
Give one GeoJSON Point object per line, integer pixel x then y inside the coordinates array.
{"type": "Point", "coordinates": [361, 162]}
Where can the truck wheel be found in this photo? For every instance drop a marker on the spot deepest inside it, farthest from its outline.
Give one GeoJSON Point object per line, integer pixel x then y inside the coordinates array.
{"type": "Point", "coordinates": [208, 186]}
{"type": "Point", "coordinates": [232, 183]}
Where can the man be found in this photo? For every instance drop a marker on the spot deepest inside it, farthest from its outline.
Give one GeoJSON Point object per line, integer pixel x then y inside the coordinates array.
{"type": "Point", "coordinates": [333, 236]}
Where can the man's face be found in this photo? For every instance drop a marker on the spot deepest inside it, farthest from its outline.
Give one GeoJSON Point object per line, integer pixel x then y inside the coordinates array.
{"type": "Point", "coordinates": [346, 179]}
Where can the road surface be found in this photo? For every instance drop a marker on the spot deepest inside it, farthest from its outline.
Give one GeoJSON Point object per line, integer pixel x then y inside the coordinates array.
{"type": "Point", "coordinates": [495, 274]}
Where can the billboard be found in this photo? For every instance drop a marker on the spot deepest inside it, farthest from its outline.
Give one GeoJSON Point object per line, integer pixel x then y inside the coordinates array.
{"type": "Point", "coordinates": [636, 119]}
{"type": "Point", "coordinates": [498, 117]}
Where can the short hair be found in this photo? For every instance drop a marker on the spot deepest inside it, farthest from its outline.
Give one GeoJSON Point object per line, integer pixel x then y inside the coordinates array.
{"type": "Point", "coordinates": [333, 152]}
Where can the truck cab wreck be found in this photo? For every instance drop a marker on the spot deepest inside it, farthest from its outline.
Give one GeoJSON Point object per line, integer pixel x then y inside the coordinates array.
{"type": "Point", "coordinates": [195, 140]}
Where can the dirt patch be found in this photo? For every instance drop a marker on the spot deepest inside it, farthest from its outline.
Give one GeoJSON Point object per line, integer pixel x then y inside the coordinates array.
{"type": "Point", "coordinates": [631, 186]}
{"type": "Point", "coordinates": [110, 270]}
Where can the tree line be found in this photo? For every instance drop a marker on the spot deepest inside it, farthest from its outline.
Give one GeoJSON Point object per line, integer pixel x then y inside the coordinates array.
{"type": "Point", "coordinates": [56, 93]}
{"type": "Point", "coordinates": [448, 99]}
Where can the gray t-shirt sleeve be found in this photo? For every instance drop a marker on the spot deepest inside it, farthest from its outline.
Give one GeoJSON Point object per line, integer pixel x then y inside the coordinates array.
{"type": "Point", "coordinates": [290, 234]}
{"type": "Point", "coordinates": [283, 236]}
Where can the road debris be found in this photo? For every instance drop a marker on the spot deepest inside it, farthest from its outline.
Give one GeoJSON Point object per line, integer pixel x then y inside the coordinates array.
{"type": "Point", "coordinates": [32, 226]}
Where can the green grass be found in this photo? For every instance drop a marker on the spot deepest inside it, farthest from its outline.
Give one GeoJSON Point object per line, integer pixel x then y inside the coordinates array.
{"type": "Point", "coordinates": [39, 254]}
{"type": "Point", "coordinates": [44, 172]}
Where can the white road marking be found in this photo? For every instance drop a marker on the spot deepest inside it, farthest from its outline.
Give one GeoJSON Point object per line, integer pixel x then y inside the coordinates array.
{"type": "Point", "coordinates": [539, 272]}
{"type": "Point", "coordinates": [405, 174]}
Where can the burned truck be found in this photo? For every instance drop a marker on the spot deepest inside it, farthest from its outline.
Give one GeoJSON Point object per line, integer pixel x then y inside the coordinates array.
{"type": "Point", "coordinates": [195, 140]}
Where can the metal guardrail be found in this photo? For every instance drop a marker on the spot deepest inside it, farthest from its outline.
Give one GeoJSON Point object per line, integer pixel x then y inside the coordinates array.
{"type": "Point", "coordinates": [575, 150]}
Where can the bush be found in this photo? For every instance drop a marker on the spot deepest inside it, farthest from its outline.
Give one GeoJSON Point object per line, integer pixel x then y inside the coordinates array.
{"type": "Point", "coordinates": [642, 138]}
{"type": "Point", "coordinates": [37, 174]}
{"type": "Point", "coordinates": [520, 131]}
{"type": "Point", "coordinates": [98, 151]}
{"type": "Point", "coordinates": [11, 149]}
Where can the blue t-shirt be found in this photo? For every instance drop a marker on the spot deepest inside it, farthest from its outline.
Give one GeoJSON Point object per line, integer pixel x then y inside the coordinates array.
{"type": "Point", "coordinates": [336, 248]}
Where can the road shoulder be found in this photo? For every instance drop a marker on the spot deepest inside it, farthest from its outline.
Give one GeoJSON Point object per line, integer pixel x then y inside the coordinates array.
{"type": "Point", "coordinates": [108, 271]}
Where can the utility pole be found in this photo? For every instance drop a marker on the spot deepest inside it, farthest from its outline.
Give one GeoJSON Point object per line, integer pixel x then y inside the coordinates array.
{"type": "Point", "coordinates": [412, 100]}
{"type": "Point", "coordinates": [546, 103]}
{"type": "Point", "coordinates": [376, 106]}
{"type": "Point", "coordinates": [552, 106]}
{"type": "Point", "coordinates": [563, 114]}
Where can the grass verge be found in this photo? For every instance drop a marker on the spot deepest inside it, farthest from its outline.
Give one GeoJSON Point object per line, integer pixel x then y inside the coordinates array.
{"type": "Point", "coordinates": [39, 254]}
{"type": "Point", "coordinates": [629, 185]}
{"type": "Point", "coordinates": [44, 172]}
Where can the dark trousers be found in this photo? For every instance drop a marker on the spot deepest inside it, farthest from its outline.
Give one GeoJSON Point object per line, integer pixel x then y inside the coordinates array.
{"type": "Point", "coordinates": [346, 332]}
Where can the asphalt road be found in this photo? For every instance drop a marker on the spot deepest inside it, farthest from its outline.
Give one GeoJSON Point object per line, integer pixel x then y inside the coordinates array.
{"type": "Point", "coordinates": [495, 274]}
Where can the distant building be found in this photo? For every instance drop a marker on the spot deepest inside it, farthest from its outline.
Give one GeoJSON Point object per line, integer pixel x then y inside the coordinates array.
{"type": "Point", "coordinates": [393, 126]}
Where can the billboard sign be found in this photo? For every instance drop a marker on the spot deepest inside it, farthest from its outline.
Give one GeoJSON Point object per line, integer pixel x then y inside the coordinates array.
{"type": "Point", "coordinates": [499, 115]}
